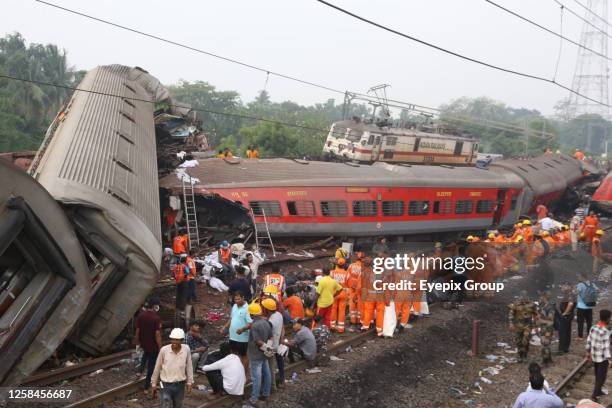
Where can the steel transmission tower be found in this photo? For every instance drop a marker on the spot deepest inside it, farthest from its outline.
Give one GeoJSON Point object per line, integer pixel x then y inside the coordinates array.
{"type": "Point", "coordinates": [591, 74]}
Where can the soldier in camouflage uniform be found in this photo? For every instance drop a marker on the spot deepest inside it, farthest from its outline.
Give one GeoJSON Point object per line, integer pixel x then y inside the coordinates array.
{"type": "Point", "coordinates": [521, 316]}
{"type": "Point", "coordinates": [546, 320]}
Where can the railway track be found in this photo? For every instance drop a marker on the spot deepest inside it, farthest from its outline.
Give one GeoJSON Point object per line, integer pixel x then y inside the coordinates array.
{"type": "Point", "coordinates": [77, 370]}
{"type": "Point", "coordinates": [197, 398]}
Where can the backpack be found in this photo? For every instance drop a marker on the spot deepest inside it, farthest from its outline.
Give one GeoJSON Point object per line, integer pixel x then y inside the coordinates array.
{"type": "Point", "coordinates": [589, 295]}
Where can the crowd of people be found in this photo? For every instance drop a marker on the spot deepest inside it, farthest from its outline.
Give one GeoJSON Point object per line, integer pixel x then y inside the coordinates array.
{"type": "Point", "coordinates": [278, 317]}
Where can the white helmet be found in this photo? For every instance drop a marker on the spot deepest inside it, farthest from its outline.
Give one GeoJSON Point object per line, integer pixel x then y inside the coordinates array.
{"type": "Point", "coordinates": [177, 334]}
{"type": "Point", "coordinates": [318, 279]}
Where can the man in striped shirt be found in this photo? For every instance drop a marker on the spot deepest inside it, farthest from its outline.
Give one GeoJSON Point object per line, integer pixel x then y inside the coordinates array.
{"type": "Point", "coordinates": [598, 350]}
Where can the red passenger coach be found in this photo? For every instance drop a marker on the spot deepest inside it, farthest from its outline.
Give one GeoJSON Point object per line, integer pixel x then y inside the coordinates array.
{"type": "Point", "coordinates": [603, 196]}
{"type": "Point", "coordinates": [304, 198]}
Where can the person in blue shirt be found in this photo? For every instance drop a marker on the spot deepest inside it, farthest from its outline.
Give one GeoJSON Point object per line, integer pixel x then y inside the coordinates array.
{"type": "Point", "coordinates": [584, 311]}
{"type": "Point", "coordinates": [239, 318]}
{"type": "Point", "coordinates": [536, 396]}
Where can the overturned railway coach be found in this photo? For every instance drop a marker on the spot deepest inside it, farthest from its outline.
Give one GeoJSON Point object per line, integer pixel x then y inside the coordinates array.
{"type": "Point", "coordinates": [302, 198]}
{"type": "Point", "coordinates": [80, 240]}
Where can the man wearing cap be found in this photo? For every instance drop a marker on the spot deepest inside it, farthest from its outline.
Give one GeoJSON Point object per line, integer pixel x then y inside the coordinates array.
{"type": "Point", "coordinates": [148, 336]}
{"type": "Point", "coordinates": [277, 279]}
{"type": "Point", "coordinates": [338, 312]}
{"type": "Point", "coordinates": [276, 320]}
{"type": "Point", "coordinates": [174, 370]}
{"type": "Point", "coordinates": [260, 332]}
{"type": "Point", "coordinates": [327, 290]}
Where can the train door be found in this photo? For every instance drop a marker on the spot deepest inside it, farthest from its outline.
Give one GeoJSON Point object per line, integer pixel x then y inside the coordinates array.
{"type": "Point", "coordinates": [499, 207]}
{"type": "Point", "coordinates": [376, 147]}
{"type": "Point", "coordinates": [458, 148]}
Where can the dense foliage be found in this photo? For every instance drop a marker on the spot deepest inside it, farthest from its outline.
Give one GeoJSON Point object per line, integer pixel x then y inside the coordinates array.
{"type": "Point", "coordinates": [26, 109]}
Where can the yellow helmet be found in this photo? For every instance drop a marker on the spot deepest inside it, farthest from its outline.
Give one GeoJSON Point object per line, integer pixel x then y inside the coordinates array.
{"type": "Point", "coordinates": [470, 238]}
{"type": "Point", "coordinates": [255, 309]}
{"type": "Point", "coordinates": [565, 227]}
{"type": "Point", "coordinates": [271, 290]}
{"type": "Point", "coordinates": [519, 238]}
{"type": "Point", "coordinates": [526, 222]}
{"type": "Point", "coordinates": [518, 224]}
{"type": "Point", "coordinates": [309, 312]}
{"type": "Point", "coordinates": [599, 232]}
{"type": "Point", "coordinates": [491, 235]}
{"type": "Point", "coordinates": [544, 233]}
{"type": "Point", "coordinates": [269, 304]}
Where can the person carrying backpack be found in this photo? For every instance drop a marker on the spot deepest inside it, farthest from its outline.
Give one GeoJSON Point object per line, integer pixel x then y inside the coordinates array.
{"type": "Point", "coordinates": [587, 299]}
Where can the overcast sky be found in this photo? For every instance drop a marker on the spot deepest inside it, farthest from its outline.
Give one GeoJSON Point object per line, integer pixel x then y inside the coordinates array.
{"type": "Point", "coordinates": [306, 39]}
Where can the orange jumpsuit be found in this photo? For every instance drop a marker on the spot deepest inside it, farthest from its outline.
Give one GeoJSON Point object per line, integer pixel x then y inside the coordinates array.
{"type": "Point", "coordinates": [338, 312]}
{"type": "Point", "coordinates": [355, 304]}
{"type": "Point", "coordinates": [517, 231]}
{"type": "Point", "coordinates": [373, 300]}
{"type": "Point", "coordinates": [590, 225]}
{"type": "Point", "coordinates": [528, 233]}
{"type": "Point", "coordinates": [405, 299]}
{"type": "Point", "coordinates": [275, 279]}
{"type": "Point", "coordinates": [225, 256]}
{"type": "Point", "coordinates": [179, 244]}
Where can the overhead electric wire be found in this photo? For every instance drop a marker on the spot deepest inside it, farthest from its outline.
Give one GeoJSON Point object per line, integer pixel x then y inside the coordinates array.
{"type": "Point", "coordinates": [548, 30]}
{"type": "Point", "coordinates": [582, 18]}
{"type": "Point", "coordinates": [461, 56]}
{"type": "Point", "coordinates": [369, 98]}
{"type": "Point", "coordinates": [592, 12]}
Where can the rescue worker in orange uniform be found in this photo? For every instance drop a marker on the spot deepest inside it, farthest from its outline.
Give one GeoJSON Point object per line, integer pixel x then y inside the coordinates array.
{"type": "Point", "coordinates": [338, 312]}
{"type": "Point", "coordinates": [527, 231]}
{"type": "Point", "coordinates": [190, 262]}
{"type": "Point", "coordinates": [562, 237]}
{"type": "Point", "coordinates": [589, 226]}
{"type": "Point", "coordinates": [406, 299]}
{"type": "Point", "coordinates": [225, 254]}
{"type": "Point", "coordinates": [518, 230]}
{"type": "Point", "coordinates": [596, 250]}
{"type": "Point", "coordinates": [355, 304]}
{"type": "Point", "coordinates": [277, 279]}
{"type": "Point", "coordinates": [490, 237]}
{"type": "Point", "coordinates": [179, 244]}
{"type": "Point", "coordinates": [374, 300]}
{"type": "Point", "coordinates": [252, 152]}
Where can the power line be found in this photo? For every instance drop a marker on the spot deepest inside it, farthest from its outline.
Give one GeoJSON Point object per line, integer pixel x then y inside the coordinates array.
{"type": "Point", "coordinates": [458, 55]}
{"type": "Point", "coordinates": [581, 18]}
{"type": "Point", "coordinates": [231, 114]}
{"type": "Point", "coordinates": [481, 122]}
{"type": "Point", "coordinates": [592, 12]}
{"type": "Point", "coordinates": [369, 98]}
{"type": "Point", "coordinates": [548, 30]}
{"type": "Point", "coordinates": [191, 48]}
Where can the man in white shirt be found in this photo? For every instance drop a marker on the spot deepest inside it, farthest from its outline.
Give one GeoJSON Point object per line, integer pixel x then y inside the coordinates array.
{"type": "Point", "coordinates": [175, 370]}
{"type": "Point", "coordinates": [226, 375]}
{"type": "Point", "coordinates": [546, 223]}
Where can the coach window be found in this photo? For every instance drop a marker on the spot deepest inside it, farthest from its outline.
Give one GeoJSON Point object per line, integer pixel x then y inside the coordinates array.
{"type": "Point", "coordinates": [392, 208]}
{"type": "Point", "coordinates": [464, 206]}
{"type": "Point", "coordinates": [301, 208]}
{"type": "Point", "coordinates": [267, 208]}
{"type": "Point", "coordinates": [443, 207]}
{"type": "Point", "coordinates": [391, 140]}
{"type": "Point", "coordinates": [334, 209]}
{"type": "Point", "coordinates": [354, 135]}
{"type": "Point", "coordinates": [365, 208]}
{"type": "Point", "coordinates": [513, 203]}
{"type": "Point", "coordinates": [484, 206]}
{"type": "Point", "coordinates": [388, 154]}
{"type": "Point", "coordinates": [418, 208]}
{"type": "Point", "coordinates": [371, 139]}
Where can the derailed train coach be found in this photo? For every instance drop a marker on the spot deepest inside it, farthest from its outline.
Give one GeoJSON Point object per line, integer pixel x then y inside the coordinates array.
{"type": "Point", "coordinates": [80, 243]}
{"type": "Point", "coordinates": [303, 198]}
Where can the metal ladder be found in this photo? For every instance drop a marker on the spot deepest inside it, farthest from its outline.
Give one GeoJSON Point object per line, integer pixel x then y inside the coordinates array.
{"type": "Point", "coordinates": [261, 236]}
{"type": "Point", "coordinates": [191, 215]}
